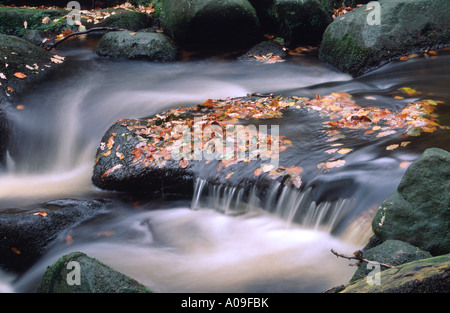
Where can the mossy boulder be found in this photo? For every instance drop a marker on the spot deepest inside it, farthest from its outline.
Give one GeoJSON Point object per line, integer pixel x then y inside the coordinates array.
{"type": "Point", "coordinates": [22, 57]}
{"type": "Point", "coordinates": [12, 20]}
{"type": "Point", "coordinates": [419, 211]}
{"type": "Point", "coordinates": [127, 19]}
{"type": "Point", "coordinates": [392, 252]}
{"type": "Point", "coordinates": [94, 277]}
{"type": "Point", "coordinates": [210, 23]}
{"type": "Point", "coordinates": [431, 275]}
{"type": "Point", "coordinates": [136, 46]}
{"type": "Point", "coordinates": [354, 43]}
{"type": "Point", "coordinates": [297, 21]}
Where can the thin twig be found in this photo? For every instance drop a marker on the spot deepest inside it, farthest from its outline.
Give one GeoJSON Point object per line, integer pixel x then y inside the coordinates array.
{"type": "Point", "coordinates": [358, 256]}
{"type": "Point", "coordinates": [94, 29]}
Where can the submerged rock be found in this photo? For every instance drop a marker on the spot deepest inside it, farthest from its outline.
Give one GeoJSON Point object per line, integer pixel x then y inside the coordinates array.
{"type": "Point", "coordinates": [264, 48]}
{"type": "Point", "coordinates": [210, 23]}
{"type": "Point", "coordinates": [136, 46]}
{"type": "Point", "coordinates": [356, 43]}
{"type": "Point", "coordinates": [419, 211]}
{"type": "Point", "coordinates": [431, 275]}
{"type": "Point", "coordinates": [94, 277]}
{"type": "Point", "coordinates": [27, 233]}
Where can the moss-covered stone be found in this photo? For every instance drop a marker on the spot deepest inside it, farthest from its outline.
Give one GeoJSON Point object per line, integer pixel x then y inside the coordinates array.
{"type": "Point", "coordinates": [431, 275]}
{"type": "Point", "coordinates": [419, 211]}
{"type": "Point", "coordinates": [19, 53]}
{"type": "Point", "coordinates": [131, 20]}
{"type": "Point", "coordinates": [392, 252]}
{"type": "Point", "coordinates": [137, 46]}
{"type": "Point", "coordinates": [211, 23]}
{"type": "Point", "coordinates": [12, 20]}
{"type": "Point", "coordinates": [355, 46]}
{"type": "Point", "coordinates": [95, 277]}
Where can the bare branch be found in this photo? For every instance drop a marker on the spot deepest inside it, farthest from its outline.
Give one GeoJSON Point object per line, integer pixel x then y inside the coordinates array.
{"type": "Point", "coordinates": [357, 255]}
{"type": "Point", "coordinates": [94, 29]}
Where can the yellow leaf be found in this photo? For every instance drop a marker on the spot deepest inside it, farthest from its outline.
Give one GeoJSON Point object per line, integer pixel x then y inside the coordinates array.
{"type": "Point", "coordinates": [392, 147]}
{"type": "Point", "coordinates": [405, 143]}
{"type": "Point", "coordinates": [344, 150]}
{"type": "Point", "coordinates": [229, 175]}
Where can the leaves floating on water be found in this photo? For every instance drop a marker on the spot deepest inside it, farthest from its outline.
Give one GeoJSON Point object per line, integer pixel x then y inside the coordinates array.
{"type": "Point", "coordinates": [43, 214]}
{"type": "Point", "coordinates": [392, 147]}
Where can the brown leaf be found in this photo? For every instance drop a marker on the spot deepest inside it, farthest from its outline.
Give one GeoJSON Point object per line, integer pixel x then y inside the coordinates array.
{"type": "Point", "coordinates": [15, 250]}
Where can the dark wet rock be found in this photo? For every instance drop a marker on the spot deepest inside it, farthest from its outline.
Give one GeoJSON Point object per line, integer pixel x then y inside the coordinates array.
{"type": "Point", "coordinates": [210, 23]}
{"type": "Point", "coordinates": [23, 57]}
{"type": "Point", "coordinates": [95, 277]}
{"type": "Point", "coordinates": [392, 252]}
{"type": "Point", "coordinates": [115, 170]}
{"type": "Point", "coordinates": [419, 211]}
{"type": "Point", "coordinates": [297, 21]}
{"type": "Point", "coordinates": [268, 47]}
{"type": "Point", "coordinates": [130, 20]}
{"type": "Point", "coordinates": [431, 275]}
{"type": "Point", "coordinates": [136, 46]}
{"type": "Point", "coordinates": [355, 46]}
{"type": "Point", "coordinates": [26, 234]}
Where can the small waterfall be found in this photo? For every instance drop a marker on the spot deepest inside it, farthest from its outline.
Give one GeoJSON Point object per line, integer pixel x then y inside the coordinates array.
{"type": "Point", "coordinates": [291, 205]}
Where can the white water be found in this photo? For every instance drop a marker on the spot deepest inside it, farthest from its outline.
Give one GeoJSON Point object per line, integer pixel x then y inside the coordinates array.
{"type": "Point", "coordinates": [181, 250]}
{"type": "Point", "coordinates": [217, 247]}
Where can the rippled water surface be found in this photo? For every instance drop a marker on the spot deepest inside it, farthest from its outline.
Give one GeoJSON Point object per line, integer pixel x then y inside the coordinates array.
{"type": "Point", "coordinates": [167, 245]}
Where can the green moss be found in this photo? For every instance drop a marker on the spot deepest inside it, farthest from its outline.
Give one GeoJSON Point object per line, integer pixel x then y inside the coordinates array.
{"type": "Point", "coordinates": [12, 20]}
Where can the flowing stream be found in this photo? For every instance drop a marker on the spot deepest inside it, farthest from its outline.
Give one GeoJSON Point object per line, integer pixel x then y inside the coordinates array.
{"type": "Point", "coordinates": [209, 244]}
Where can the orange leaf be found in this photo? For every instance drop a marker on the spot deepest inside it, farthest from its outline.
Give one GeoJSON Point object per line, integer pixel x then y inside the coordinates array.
{"type": "Point", "coordinates": [20, 107]}
{"type": "Point", "coordinates": [404, 58]}
{"type": "Point", "coordinates": [229, 175]}
{"type": "Point", "coordinates": [15, 250]}
{"type": "Point", "coordinates": [257, 172]}
{"type": "Point", "coordinates": [295, 170]}
{"type": "Point", "coordinates": [20, 75]}
{"type": "Point", "coordinates": [132, 34]}
{"type": "Point", "coordinates": [41, 214]}
{"type": "Point", "coordinates": [69, 240]}
{"type": "Point", "coordinates": [184, 163]}
{"type": "Point", "coordinates": [112, 169]}
{"type": "Point", "coordinates": [404, 164]}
